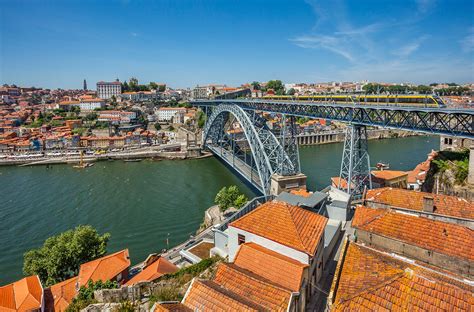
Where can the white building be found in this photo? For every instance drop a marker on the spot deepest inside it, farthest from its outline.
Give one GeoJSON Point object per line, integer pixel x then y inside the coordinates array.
{"type": "Point", "coordinates": [105, 90]}
{"type": "Point", "coordinates": [113, 116]}
{"type": "Point", "coordinates": [83, 104]}
{"type": "Point", "coordinates": [171, 114]}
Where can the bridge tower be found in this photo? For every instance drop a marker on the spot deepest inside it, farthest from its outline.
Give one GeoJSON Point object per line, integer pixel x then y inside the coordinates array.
{"type": "Point", "coordinates": [355, 177]}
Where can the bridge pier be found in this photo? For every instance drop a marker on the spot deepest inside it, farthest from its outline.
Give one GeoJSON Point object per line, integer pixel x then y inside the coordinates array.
{"type": "Point", "coordinates": [355, 177]}
{"type": "Point", "coordinates": [281, 183]}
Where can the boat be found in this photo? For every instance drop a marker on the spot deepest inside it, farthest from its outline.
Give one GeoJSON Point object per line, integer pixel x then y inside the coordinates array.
{"type": "Point", "coordinates": [83, 164]}
{"type": "Point", "coordinates": [382, 166]}
{"type": "Point", "coordinates": [132, 160]}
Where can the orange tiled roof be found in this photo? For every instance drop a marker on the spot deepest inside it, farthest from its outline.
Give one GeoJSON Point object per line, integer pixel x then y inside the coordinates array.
{"type": "Point", "coordinates": [388, 174]}
{"type": "Point", "coordinates": [447, 238]}
{"type": "Point", "coordinates": [23, 295]}
{"type": "Point", "coordinates": [272, 266]}
{"type": "Point", "coordinates": [372, 281]}
{"type": "Point", "coordinates": [158, 268]}
{"type": "Point", "coordinates": [335, 182]}
{"type": "Point", "coordinates": [444, 204]}
{"type": "Point", "coordinates": [301, 192]}
{"type": "Point", "coordinates": [105, 268]}
{"type": "Point", "coordinates": [288, 225]}
{"type": "Point", "coordinates": [209, 296]}
{"type": "Point", "coordinates": [63, 293]}
{"type": "Point", "coordinates": [252, 287]}
{"type": "Point", "coordinates": [171, 307]}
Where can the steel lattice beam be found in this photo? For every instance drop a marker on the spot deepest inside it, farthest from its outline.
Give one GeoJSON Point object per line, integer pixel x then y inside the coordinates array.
{"type": "Point", "coordinates": [440, 121]}
{"type": "Point", "coordinates": [268, 154]}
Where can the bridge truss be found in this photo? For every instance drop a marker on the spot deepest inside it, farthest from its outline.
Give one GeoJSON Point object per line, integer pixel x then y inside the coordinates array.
{"type": "Point", "coordinates": [256, 155]}
{"type": "Point", "coordinates": [271, 155]}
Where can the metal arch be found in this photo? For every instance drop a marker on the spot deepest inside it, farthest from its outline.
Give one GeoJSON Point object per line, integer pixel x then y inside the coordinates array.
{"type": "Point", "coordinates": [266, 150]}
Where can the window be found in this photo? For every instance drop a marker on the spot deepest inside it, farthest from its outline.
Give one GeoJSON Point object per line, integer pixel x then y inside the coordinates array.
{"type": "Point", "coordinates": [241, 239]}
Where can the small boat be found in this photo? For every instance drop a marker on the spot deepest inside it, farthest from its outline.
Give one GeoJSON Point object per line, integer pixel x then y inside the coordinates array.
{"type": "Point", "coordinates": [83, 164]}
{"type": "Point", "coordinates": [382, 166]}
{"type": "Point", "coordinates": [133, 160]}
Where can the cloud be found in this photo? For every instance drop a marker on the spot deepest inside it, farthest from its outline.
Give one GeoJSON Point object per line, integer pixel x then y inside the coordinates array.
{"type": "Point", "coordinates": [330, 43]}
{"type": "Point", "coordinates": [467, 43]}
{"type": "Point", "coordinates": [410, 48]}
{"type": "Point", "coordinates": [424, 6]}
{"type": "Point", "coordinates": [133, 34]}
{"type": "Point", "coordinates": [372, 28]}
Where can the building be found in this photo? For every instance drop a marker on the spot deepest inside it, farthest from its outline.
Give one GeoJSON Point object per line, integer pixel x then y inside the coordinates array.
{"type": "Point", "coordinates": [105, 90]}
{"type": "Point", "coordinates": [390, 178]}
{"type": "Point", "coordinates": [23, 295]}
{"type": "Point", "coordinates": [113, 267]}
{"type": "Point", "coordinates": [119, 117]}
{"type": "Point", "coordinates": [445, 245]}
{"type": "Point", "coordinates": [158, 267]}
{"type": "Point", "coordinates": [140, 96]}
{"type": "Point", "coordinates": [428, 203]}
{"type": "Point", "coordinates": [171, 114]}
{"type": "Point", "coordinates": [83, 104]}
{"type": "Point", "coordinates": [370, 280]}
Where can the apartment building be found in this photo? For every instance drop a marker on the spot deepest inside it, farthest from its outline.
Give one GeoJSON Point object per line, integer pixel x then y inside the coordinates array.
{"type": "Point", "coordinates": [105, 90]}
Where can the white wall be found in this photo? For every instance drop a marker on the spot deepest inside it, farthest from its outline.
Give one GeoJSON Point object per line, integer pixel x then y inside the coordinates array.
{"type": "Point", "coordinates": [269, 244]}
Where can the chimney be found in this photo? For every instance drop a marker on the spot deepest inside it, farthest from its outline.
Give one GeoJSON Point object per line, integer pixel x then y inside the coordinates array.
{"type": "Point", "coordinates": [428, 204]}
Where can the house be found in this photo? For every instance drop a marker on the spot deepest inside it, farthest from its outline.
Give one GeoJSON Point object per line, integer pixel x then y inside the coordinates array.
{"type": "Point", "coordinates": [428, 203]}
{"type": "Point", "coordinates": [391, 178]}
{"type": "Point", "coordinates": [171, 114]}
{"type": "Point", "coordinates": [437, 243]}
{"type": "Point", "coordinates": [113, 267]}
{"type": "Point", "coordinates": [290, 231]}
{"type": "Point", "coordinates": [23, 295]}
{"type": "Point", "coordinates": [371, 280]}
{"type": "Point", "coordinates": [159, 267]}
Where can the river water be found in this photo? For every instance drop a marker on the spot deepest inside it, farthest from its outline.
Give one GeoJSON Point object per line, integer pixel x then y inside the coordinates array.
{"type": "Point", "coordinates": [140, 202]}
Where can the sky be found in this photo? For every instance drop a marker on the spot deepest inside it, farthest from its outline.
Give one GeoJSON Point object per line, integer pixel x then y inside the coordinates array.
{"type": "Point", "coordinates": [57, 44]}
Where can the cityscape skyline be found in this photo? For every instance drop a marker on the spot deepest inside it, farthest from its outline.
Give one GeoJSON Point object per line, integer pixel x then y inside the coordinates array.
{"type": "Point", "coordinates": [57, 45]}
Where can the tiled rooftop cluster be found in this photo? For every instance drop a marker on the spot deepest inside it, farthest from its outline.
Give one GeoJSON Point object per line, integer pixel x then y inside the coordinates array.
{"type": "Point", "coordinates": [404, 260]}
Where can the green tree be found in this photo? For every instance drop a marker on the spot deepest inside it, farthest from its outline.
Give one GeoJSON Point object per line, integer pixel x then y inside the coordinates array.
{"type": "Point", "coordinates": [60, 256]}
{"type": "Point", "coordinates": [85, 294]}
{"type": "Point", "coordinates": [91, 116]}
{"type": "Point", "coordinates": [153, 85]}
{"type": "Point", "coordinates": [157, 126]}
{"type": "Point", "coordinates": [125, 87]}
{"type": "Point", "coordinates": [256, 85]}
{"type": "Point", "coordinates": [113, 100]}
{"type": "Point", "coordinates": [277, 86]}
{"type": "Point", "coordinates": [201, 119]}
{"type": "Point", "coordinates": [422, 89]}
{"type": "Point", "coordinates": [291, 92]}
{"type": "Point", "coordinates": [228, 197]}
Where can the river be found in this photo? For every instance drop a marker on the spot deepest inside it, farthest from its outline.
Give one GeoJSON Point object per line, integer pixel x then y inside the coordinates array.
{"type": "Point", "coordinates": [140, 202]}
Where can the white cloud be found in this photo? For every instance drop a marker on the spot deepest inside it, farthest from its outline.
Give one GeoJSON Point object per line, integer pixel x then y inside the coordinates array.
{"type": "Point", "coordinates": [133, 34]}
{"type": "Point", "coordinates": [425, 6]}
{"type": "Point", "coordinates": [330, 43]}
{"type": "Point", "coordinates": [467, 43]}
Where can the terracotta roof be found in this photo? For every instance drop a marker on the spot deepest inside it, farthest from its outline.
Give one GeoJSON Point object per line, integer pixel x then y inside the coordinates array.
{"type": "Point", "coordinates": [301, 192]}
{"type": "Point", "coordinates": [444, 204]}
{"type": "Point", "coordinates": [447, 238]}
{"type": "Point", "coordinates": [272, 266]}
{"type": "Point", "coordinates": [335, 182]}
{"type": "Point", "coordinates": [171, 307]}
{"type": "Point", "coordinates": [158, 268]}
{"type": "Point", "coordinates": [373, 281]}
{"type": "Point", "coordinates": [252, 287]}
{"type": "Point", "coordinates": [23, 295]}
{"type": "Point", "coordinates": [63, 293]}
{"type": "Point", "coordinates": [105, 268]}
{"type": "Point", "coordinates": [388, 174]}
{"type": "Point", "coordinates": [209, 296]}
{"type": "Point", "coordinates": [288, 225]}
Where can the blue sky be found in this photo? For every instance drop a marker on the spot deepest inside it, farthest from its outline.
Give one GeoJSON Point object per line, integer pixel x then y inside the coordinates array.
{"type": "Point", "coordinates": [184, 43]}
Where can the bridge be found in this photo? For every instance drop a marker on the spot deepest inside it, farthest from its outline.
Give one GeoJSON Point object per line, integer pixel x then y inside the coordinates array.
{"type": "Point", "coordinates": [269, 162]}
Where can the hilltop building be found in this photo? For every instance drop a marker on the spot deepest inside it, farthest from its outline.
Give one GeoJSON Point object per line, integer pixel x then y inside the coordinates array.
{"type": "Point", "coordinates": [105, 90]}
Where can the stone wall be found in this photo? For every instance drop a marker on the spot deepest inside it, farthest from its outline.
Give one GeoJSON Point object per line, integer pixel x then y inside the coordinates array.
{"type": "Point", "coordinates": [454, 264]}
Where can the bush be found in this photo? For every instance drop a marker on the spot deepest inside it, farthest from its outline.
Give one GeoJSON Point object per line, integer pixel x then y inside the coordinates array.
{"type": "Point", "coordinates": [230, 196]}
{"type": "Point", "coordinates": [85, 295]}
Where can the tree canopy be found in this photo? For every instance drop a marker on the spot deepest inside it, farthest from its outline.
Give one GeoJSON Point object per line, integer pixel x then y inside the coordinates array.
{"type": "Point", "coordinates": [230, 196]}
{"type": "Point", "coordinates": [60, 256]}
{"type": "Point", "coordinates": [277, 86]}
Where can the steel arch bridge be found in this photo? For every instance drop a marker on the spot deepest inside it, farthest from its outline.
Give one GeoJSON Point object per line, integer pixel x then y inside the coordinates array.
{"type": "Point", "coordinates": [355, 166]}
{"type": "Point", "coordinates": [265, 155]}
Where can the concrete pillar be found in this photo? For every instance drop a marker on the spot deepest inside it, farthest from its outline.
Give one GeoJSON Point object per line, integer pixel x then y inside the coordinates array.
{"type": "Point", "coordinates": [470, 178]}
{"type": "Point", "coordinates": [280, 183]}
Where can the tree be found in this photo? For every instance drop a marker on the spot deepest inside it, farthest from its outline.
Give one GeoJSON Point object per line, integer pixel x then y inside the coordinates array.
{"type": "Point", "coordinates": [153, 85]}
{"type": "Point", "coordinates": [157, 126]}
{"type": "Point", "coordinates": [291, 92]}
{"type": "Point", "coordinates": [91, 116]}
{"type": "Point", "coordinates": [201, 119]}
{"type": "Point", "coordinates": [228, 197]}
{"type": "Point", "coordinates": [113, 100]}
{"type": "Point", "coordinates": [85, 294]}
{"type": "Point", "coordinates": [125, 87]}
{"type": "Point", "coordinates": [60, 256]}
{"type": "Point", "coordinates": [277, 86]}
{"type": "Point", "coordinates": [161, 88]}
{"type": "Point", "coordinates": [256, 85]}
